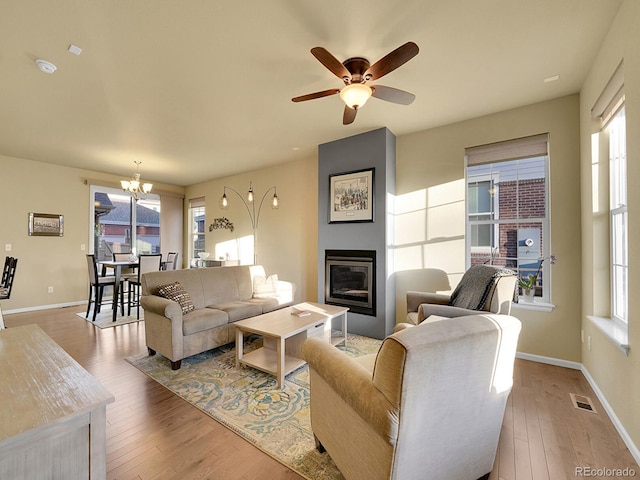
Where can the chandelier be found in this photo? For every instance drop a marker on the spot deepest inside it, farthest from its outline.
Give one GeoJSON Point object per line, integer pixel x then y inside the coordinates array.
{"type": "Point", "coordinates": [134, 186]}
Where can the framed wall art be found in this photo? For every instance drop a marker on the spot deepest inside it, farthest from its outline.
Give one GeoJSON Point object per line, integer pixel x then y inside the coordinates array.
{"type": "Point", "coordinates": [351, 196]}
{"type": "Point", "coordinates": [46, 225]}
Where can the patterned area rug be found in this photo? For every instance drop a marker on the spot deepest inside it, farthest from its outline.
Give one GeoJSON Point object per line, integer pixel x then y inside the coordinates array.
{"type": "Point", "coordinates": [248, 401]}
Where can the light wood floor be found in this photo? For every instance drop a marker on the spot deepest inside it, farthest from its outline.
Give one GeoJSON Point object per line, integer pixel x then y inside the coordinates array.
{"type": "Point", "coordinates": [153, 434]}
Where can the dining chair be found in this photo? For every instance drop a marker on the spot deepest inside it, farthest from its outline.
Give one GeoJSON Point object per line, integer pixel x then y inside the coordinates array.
{"type": "Point", "coordinates": [97, 283]}
{"type": "Point", "coordinates": [172, 260]}
{"type": "Point", "coordinates": [5, 270]}
{"type": "Point", "coordinates": [146, 263]}
{"type": "Point", "coordinates": [125, 273]}
{"type": "Point", "coordinates": [8, 274]}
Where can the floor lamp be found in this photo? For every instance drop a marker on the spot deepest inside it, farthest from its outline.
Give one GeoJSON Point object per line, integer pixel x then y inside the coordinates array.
{"type": "Point", "coordinates": [253, 215]}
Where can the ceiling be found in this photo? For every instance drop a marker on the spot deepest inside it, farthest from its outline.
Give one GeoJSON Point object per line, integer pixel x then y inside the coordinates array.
{"type": "Point", "coordinates": [201, 89]}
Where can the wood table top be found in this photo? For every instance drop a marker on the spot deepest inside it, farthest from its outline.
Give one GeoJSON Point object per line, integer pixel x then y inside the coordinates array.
{"type": "Point", "coordinates": [40, 384]}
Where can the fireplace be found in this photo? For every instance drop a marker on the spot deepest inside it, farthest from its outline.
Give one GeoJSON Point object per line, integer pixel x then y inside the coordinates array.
{"type": "Point", "coordinates": [350, 280]}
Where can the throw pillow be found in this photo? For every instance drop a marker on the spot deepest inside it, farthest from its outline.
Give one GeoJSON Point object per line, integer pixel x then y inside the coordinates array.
{"type": "Point", "coordinates": [176, 292]}
{"type": "Point", "coordinates": [265, 286]}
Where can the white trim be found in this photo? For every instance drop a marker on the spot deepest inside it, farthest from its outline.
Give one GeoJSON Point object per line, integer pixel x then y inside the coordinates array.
{"type": "Point", "coordinates": [626, 438]}
{"type": "Point", "coordinates": [617, 334]}
{"type": "Point", "coordinates": [44, 307]}
{"type": "Point", "coordinates": [538, 305]}
{"type": "Point", "coordinates": [549, 360]}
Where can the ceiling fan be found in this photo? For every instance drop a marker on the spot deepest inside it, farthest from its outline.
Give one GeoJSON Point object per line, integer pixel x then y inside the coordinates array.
{"type": "Point", "coordinates": [356, 72]}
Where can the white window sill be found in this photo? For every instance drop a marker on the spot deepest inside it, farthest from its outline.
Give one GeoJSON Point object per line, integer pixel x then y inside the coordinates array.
{"type": "Point", "coordinates": [538, 305]}
{"type": "Point", "coordinates": [618, 335]}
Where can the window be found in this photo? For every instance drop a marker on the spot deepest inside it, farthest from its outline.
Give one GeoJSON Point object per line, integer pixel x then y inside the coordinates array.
{"type": "Point", "coordinates": [122, 225]}
{"type": "Point", "coordinates": [481, 208]}
{"type": "Point", "coordinates": [618, 215]}
{"type": "Point", "coordinates": [610, 110]}
{"type": "Point", "coordinates": [507, 208]}
{"type": "Point", "coordinates": [196, 226]}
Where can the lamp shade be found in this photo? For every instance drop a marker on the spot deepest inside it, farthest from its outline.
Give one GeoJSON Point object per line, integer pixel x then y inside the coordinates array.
{"type": "Point", "coordinates": [355, 95]}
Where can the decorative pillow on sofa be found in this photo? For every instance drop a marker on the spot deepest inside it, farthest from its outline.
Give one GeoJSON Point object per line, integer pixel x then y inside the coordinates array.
{"type": "Point", "coordinates": [265, 286]}
{"type": "Point", "coordinates": [176, 292]}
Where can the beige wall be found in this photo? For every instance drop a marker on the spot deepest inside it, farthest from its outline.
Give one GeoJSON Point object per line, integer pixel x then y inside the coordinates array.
{"type": "Point", "coordinates": [617, 375]}
{"type": "Point", "coordinates": [430, 209]}
{"type": "Point", "coordinates": [287, 237]}
{"type": "Point", "coordinates": [28, 186]}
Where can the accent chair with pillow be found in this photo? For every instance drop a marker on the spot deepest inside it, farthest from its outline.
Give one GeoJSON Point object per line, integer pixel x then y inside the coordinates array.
{"type": "Point", "coordinates": [429, 405]}
{"type": "Point", "coordinates": [483, 288]}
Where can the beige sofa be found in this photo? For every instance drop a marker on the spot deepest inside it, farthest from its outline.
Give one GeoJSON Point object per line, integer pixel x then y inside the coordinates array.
{"type": "Point", "coordinates": [430, 404]}
{"type": "Point", "coordinates": [220, 296]}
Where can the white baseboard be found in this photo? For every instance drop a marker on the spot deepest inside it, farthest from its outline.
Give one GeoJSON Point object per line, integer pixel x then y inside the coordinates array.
{"type": "Point", "coordinates": [605, 404]}
{"type": "Point", "coordinates": [44, 307]}
{"type": "Point", "coordinates": [549, 360]}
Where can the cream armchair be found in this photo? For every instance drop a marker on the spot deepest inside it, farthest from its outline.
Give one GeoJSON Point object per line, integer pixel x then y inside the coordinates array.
{"type": "Point", "coordinates": [430, 404]}
{"type": "Point", "coordinates": [483, 288]}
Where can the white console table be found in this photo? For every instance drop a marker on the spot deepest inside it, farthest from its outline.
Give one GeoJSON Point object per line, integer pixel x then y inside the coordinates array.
{"type": "Point", "coordinates": [52, 411]}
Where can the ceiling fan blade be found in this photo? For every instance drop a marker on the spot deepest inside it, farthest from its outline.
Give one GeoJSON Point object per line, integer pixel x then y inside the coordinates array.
{"type": "Point", "coordinates": [331, 62]}
{"type": "Point", "coordinates": [311, 96]}
{"type": "Point", "coordinates": [391, 61]}
{"type": "Point", "coordinates": [393, 95]}
{"type": "Point", "coordinates": [349, 115]}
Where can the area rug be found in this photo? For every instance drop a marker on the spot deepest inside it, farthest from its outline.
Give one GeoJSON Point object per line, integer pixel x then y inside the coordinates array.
{"type": "Point", "coordinates": [277, 421]}
{"type": "Point", "coordinates": [104, 319]}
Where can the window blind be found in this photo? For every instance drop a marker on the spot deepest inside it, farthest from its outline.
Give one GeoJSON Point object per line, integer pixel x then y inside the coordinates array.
{"type": "Point", "coordinates": [611, 98]}
{"type": "Point", "coordinates": [196, 202]}
{"type": "Point", "coordinates": [525, 147]}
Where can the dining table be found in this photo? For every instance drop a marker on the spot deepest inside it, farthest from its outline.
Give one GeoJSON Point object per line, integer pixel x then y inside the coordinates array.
{"type": "Point", "coordinates": [117, 269]}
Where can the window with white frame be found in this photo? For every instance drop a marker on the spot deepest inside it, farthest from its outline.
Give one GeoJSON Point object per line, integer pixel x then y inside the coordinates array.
{"type": "Point", "coordinates": [196, 227]}
{"type": "Point", "coordinates": [507, 208]}
{"type": "Point", "coordinates": [618, 215]}
{"type": "Point", "coordinates": [480, 195]}
{"type": "Point", "coordinates": [610, 110]}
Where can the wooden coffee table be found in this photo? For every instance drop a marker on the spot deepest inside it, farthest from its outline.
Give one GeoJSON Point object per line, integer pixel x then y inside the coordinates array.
{"type": "Point", "coordinates": [283, 335]}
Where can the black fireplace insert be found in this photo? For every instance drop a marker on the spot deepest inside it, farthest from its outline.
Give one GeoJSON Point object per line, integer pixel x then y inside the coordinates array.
{"type": "Point", "coordinates": [350, 280]}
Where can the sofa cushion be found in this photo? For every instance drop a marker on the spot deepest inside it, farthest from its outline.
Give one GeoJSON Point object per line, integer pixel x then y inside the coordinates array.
{"type": "Point", "coordinates": [268, 304]}
{"type": "Point", "coordinates": [176, 292]}
{"type": "Point", "coordinates": [219, 284]}
{"type": "Point", "coordinates": [239, 310]}
{"type": "Point", "coordinates": [203, 319]}
{"type": "Point", "coordinates": [265, 286]}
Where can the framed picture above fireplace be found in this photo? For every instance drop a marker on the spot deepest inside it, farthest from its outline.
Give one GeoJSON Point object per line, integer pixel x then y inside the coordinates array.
{"type": "Point", "coordinates": [351, 196]}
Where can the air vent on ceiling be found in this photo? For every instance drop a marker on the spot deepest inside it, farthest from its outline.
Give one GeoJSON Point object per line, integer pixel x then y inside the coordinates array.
{"type": "Point", "coordinates": [582, 403]}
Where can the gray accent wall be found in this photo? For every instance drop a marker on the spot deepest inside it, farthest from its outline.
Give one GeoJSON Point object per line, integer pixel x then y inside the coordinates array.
{"type": "Point", "coordinates": [375, 149]}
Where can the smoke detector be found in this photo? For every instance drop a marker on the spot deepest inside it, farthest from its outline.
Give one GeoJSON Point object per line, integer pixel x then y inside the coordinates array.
{"type": "Point", "coordinates": [46, 67]}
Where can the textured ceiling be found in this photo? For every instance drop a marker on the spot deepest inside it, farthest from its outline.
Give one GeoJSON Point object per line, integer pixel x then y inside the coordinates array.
{"type": "Point", "coordinates": [200, 89]}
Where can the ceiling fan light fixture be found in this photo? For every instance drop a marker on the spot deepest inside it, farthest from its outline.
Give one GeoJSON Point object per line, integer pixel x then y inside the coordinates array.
{"type": "Point", "coordinates": [355, 95]}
